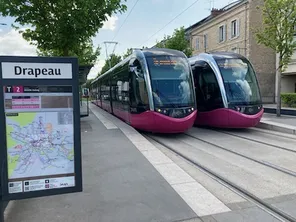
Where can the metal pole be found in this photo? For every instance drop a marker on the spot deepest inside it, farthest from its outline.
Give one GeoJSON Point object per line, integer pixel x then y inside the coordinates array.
{"type": "Point", "coordinates": [107, 54]}
{"type": "Point", "coordinates": [87, 106]}
{"type": "Point", "coordinates": [107, 51]}
{"type": "Point", "coordinates": [1, 211]}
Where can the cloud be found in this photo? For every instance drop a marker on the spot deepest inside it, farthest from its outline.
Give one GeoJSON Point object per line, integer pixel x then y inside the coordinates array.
{"type": "Point", "coordinates": [12, 43]}
{"type": "Point", "coordinates": [96, 69]}
{"type": "Point", "coordinates": [110, 23]}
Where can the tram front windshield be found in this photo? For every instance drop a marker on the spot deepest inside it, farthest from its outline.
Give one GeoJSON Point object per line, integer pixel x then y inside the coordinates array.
{"type": "Point", "coordinates": [171, 81]}
{"type": "Point", "coordinates": [240, 81]}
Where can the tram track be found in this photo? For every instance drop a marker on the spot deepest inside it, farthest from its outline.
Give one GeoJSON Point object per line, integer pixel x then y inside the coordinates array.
{"type": "Point", "coordinates": [265, 163]}
{"type": "Point", "coordinates": [275, 133]}
{"type": "Point", "coordinates": [275, 212]}
{"type": "Point", "coordinates": [257, 141]}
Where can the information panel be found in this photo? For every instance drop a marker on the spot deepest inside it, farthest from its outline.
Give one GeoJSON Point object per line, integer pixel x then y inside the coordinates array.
{"type": "Point", "coordinates": [39, 135]}
{"type": "Point", "coordinates": [42, 130]}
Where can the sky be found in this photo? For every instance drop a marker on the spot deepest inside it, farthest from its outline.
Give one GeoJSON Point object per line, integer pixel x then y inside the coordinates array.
{"type": "Point", "coordinates": [143, 27]}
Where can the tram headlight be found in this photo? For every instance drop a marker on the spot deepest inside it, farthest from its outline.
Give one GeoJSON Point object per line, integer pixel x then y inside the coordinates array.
{"type": "Point", "coordinates": [162, 111]}
{"type": "Point", "coordinates": [240, 109]}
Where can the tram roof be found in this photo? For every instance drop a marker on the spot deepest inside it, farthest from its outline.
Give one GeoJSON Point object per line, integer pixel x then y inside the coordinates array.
{"type": "Point", "coordinates": [161, 51]}
{"type": "Point", "coordinates": [225, 55]}
{"type": "Point", "coordinates": [216, 55]}
{"type": "Point", "coordinates": [147, 52]}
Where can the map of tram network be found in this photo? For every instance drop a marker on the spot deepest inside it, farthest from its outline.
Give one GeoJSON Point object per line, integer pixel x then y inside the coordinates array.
{"type": "Point", "coordinates": [40, 144]}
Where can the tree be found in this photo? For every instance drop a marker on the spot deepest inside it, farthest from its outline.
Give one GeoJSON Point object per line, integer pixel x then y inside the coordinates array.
{"type": "Point", "coordinates": [60, 25]}
{"type": "Point", "coordinates": [277, 32]}
{"type": "Point", "coordinates": [177, 41]}
{"type": "Point", "coordinates": [88, 83]}
{"type": "Point", "coordinates": [129, 51]}
{"type": "Point", "coordinates": [112, 61]}
{"type": "Point", "coordinates": [84, 51]}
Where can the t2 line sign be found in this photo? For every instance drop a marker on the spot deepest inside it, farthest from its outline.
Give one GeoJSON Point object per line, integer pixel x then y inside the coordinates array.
{"type": "Point", "coordinates": [41, 121]}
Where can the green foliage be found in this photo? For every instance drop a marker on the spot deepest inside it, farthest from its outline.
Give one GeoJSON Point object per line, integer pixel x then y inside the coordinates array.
{"type": "Point", "coordinates": [279, 19]}
{"type": "Point", "coordinates": [88, 82]}
{"type": "Point", "coordinates": [84, 51]}
{"type": "Point", "coordinates": [129, 51]}
{"type": "Point", "coordinates": [177, 41]}
{"type": "Point", "coordinates": [58, 26]}
{"type": "Point", "coordinates": [113, 60]}
{"type": "Point", "coordinates": [289, 99]}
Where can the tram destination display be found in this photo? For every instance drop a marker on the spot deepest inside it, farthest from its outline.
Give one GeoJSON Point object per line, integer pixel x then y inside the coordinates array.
{"type": "Point", "coordinates": [42, 131]}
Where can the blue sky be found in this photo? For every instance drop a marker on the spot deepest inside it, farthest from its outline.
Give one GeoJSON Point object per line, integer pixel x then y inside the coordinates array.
{"type": "Point", "coordinates": [145, 20]}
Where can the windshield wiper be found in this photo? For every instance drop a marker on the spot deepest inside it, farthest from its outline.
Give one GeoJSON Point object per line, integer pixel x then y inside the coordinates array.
{"type": "Point", "coordinates": [170, 102]}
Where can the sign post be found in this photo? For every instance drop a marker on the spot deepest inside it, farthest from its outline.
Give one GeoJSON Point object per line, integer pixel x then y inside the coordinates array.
{"type": "Point", "coordinates": [40, 118]}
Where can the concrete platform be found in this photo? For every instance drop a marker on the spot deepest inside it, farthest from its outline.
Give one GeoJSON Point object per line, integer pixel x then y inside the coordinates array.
{"type": "Point", "coordinates": [127, 179]}
{"type": "Point", "coordinates": [84, 108]}
{"type": "Point", "coordinates": [271, 108]}
{"type": "Point", "coordinates": [119, 184]}
{"type": "Point", "coordinates": [283, 124]}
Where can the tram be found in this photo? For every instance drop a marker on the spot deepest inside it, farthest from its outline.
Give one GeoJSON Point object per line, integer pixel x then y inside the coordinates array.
{"type": "Point", "coordinates": [227, 91]}
{"type": "Point", "coordinates": [152, 90]}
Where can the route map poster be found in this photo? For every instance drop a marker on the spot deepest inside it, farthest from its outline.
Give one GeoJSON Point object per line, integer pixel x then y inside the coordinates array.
{"type": "Point", "coordinates": [39, 137]}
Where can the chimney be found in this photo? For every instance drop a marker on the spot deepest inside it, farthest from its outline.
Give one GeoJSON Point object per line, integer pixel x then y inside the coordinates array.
{"type": "Point", "coordinates": [215, 12]}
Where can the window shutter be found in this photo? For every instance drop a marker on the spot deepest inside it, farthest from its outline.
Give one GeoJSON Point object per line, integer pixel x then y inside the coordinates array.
{"type": "Point", "coordinates": [224, 32]}
{"type": "Point", "coordinates": [237, 27]}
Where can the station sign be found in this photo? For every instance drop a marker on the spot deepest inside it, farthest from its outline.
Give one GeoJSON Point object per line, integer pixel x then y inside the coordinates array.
{"type": "Point", "coordinates": [40, 118]}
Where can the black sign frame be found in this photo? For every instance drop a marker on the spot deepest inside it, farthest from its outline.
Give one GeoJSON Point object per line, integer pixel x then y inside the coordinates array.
{"type": "Point", "coordinates": [74, 82]}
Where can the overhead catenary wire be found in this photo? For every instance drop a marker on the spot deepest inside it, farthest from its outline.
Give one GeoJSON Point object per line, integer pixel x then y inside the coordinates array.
{"type": "Point", "coordinates": [125, 20]}
{"type": "Point", "coordinates": [170, 22]}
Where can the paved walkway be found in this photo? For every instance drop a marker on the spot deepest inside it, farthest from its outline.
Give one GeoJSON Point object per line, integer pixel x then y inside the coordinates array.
{"type": "Point", "coordinates": [119, 185]}
{"type": "Point", "coordinates": [273, 106]}
{"type": "Point", "coordinates": [283, 124]}
{"type": "Point", "coordinates": [283, 119]}
{"type": "Point", "coordinates": [84, 108]}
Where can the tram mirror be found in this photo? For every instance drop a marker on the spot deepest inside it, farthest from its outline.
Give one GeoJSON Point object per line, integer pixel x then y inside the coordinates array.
{"type": "Point", "coordinates": [138, 72]}
{"type": "Point", "coordinates": [132, 68]}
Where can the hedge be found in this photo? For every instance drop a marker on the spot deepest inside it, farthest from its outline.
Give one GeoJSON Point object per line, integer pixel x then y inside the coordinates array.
{"type": "Point", "coordinates": [289, 99]}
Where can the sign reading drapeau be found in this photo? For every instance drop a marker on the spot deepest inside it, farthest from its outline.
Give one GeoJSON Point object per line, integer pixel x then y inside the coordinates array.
{"type": "Point", "coordinates": [41, 121]}
{"type": "Point", "coordinates": [11, 70]}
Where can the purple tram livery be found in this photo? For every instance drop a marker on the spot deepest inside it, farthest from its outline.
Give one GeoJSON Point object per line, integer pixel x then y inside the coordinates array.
{"type": "Point", "coordinates": [227, 90]}
{"type": "Point", "coordinates": [151, 90]}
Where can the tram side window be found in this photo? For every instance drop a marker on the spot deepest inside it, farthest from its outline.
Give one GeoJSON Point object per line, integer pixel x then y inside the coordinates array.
{"type": "Point", "coordinates": [105, 90]}
{"type": "Point", "coordinates": [114, 88]}
{"type": "Point", "coordinates": [139, 90]}
{"type": "Point", "coordinates": [207, 88]}
{"type": "Point", "coordinates": [98, 94]}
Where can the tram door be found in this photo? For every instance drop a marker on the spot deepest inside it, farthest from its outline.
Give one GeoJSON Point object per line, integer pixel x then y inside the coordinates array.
{"type": "Point", "coordinates": [138, 92]}
{"type": "Point", "coordinates": [208, 93]}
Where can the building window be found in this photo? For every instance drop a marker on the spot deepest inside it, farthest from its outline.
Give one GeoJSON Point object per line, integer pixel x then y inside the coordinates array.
{"type": "Point", "coordinates": [234, 28]}
{"type": "Point", "coordinates": [197, 44]}
{"type": "Point", "coordinates": [222, 33]}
